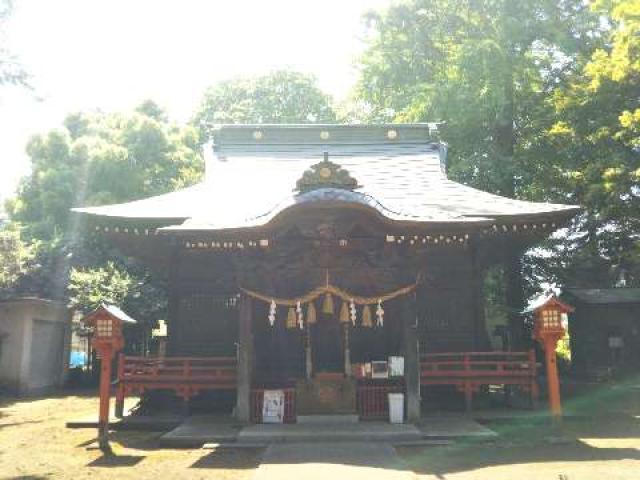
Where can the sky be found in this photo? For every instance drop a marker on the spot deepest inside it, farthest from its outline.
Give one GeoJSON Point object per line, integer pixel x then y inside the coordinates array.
{"type": "Point", "coordinates": [112, 54]}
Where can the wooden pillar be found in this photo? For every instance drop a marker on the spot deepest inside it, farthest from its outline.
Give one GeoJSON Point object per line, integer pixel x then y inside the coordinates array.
{"type": "Point", "coordinates": [480, 336]}
{"type": "Point", "coordinates": [308, 359]}
{"type": "Point", "coordinates": [173, 302]}
{"type": "Point", "coordinates": [411, 358]}
{"type": "Point", "coordinates": [514, 296]}
{"type": "Point", "coordinates": [347, 352]}
{"type": "Point", "coordinates": [245, 360]}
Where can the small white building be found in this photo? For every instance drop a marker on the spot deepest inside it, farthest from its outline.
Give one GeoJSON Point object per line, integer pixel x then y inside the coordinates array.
{"type": "Point", "coordinates": [35, 337]}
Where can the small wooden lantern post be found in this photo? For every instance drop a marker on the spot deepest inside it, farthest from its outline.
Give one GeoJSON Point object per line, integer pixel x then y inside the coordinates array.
{"type": "Point", "coordinates": [548, 330]}
{"type": "Point", "coordinates": [106, 323]}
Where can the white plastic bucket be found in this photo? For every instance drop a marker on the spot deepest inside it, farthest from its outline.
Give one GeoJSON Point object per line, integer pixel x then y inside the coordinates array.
{"type": "Point", "coordinates": [396, 407]}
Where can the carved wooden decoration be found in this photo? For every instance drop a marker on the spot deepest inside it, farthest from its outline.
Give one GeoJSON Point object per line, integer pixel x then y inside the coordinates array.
{"type": "Point", "coordinates": [326, 174]}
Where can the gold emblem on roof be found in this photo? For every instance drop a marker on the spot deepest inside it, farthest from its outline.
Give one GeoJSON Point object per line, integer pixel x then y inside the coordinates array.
{"type": "Point", "coordinates": [326, 174]}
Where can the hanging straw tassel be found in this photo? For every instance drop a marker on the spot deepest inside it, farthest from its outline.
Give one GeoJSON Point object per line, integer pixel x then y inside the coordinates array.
{"type": "Point", "coordinates": [291, 318]}
{"type": "Point", "coordinates": [311, 313]}
{"type": "Point", "coordinates": [327, 306]}
{"type": "Point", "coordinates": [366, 317]}
{"type": "Point", "coordinates": [344, 313]}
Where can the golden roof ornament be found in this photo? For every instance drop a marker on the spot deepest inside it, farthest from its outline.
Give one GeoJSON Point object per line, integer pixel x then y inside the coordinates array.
{"type": "Point", "coordinates": [326, 174]}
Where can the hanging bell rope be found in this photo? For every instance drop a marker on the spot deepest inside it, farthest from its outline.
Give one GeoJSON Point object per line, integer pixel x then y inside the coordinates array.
{"type": "Point", "coordinates": [327, 305]}
{"type": "Point", "coordinates": [366, 317]}
{"type": "Point", "coordinates": [291, 318]}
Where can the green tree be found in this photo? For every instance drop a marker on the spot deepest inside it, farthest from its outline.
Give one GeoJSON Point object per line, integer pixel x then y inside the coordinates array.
{"type": "Point", "coordinates": [483, 68]}
{"type": "Point", "coordinates": [102, 158]}
{"type": "Point", "coordinates": [95, 159]}
{"type": "Point", "coordinates": [595, 141]}
{"type": "Point", "coordinates": [16, 258]}
{"type": "Point", "coordinates": [278, 97]}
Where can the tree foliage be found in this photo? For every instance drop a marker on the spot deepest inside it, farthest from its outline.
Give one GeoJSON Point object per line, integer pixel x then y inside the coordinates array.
{"type": "Point", "coordinates": [539, 100]}
{"type": "Point", "coordinates": [16, 257]}
{"type": "Point", "coordinates": [594, 142]}
{"type": "Point", "coordinates": [99, 159]}
{"type": "Point", "coordinates": [278, 97]}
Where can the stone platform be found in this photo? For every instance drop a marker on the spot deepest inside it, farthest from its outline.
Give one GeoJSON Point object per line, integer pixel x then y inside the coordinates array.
{"type": "Point", "coordinates": [197, 431]}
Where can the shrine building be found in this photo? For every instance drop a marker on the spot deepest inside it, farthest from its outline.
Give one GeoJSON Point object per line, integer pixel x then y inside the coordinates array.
{"type": "Point", "coordinates": [333, 263]}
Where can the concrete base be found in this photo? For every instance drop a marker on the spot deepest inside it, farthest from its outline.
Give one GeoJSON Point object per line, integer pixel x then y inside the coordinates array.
{"type": "Point", "coordinates": [452, 426]}
{"type": "Point", "coordinates": [327, 419]}
{"type": "Point", "coordinates": [152, 423]}
{"type": "Point", "coordinates": [198, 430]}
{"type": "Point", "coordinates": [369, 431]}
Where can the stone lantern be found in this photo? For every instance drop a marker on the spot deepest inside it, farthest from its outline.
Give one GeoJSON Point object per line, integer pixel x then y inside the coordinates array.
{"type": "Point", "coordinates": [106, 324]}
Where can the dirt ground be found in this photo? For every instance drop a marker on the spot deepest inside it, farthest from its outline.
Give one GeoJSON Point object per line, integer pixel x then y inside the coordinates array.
{"type": "Point", "coordinates": [35, 444]}
{"type": "Point", "coordinates": [601, 440]}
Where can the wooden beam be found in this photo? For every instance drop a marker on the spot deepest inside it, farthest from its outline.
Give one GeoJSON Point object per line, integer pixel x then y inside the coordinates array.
{"type": "Point", "coordinates": [411, 357]}
{"type": "Point", "coordinates": [245, 357]}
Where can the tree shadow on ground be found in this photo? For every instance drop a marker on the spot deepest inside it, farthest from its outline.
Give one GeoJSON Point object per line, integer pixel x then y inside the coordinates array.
{"type": "Point", "coordinates": [466, 457]}
{"type": "Point", "coordinates": [7, 400]}
{"type": "Point", "coordinates": [135, 440]}
{"type": "Point", "coordinates": [244, 458]}
{"type": "Point", "coordinates": [113, 461]}
{"type": "Point", "coordinates": [17, 424]}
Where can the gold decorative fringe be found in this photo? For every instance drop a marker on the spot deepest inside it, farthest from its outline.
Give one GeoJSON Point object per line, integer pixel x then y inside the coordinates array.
{"type": "Point", "coordinates": [311, 314]}
{"type": "Point", "coordinates": [366, 317]}
{"type": "Point", "coordinates": [291, 318]}
{"type": "Point", "coordinates": [327, 306]}
{"type": "Point", "coordinates": [344, 313]}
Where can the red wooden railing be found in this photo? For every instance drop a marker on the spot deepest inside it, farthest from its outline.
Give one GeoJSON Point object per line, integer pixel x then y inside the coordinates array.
{"type": "Point", "coordinates": [256, 400]}
{"type": "Point", "coordinates": [187, 376]}
{"type": "Point", "coordinates": [470, 370]}
{"type": "Point", "coordinates": [373, 401]}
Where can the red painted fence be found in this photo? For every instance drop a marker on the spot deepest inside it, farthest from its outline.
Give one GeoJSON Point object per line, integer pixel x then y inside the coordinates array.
{"type": "Point", "coordinates": [187, 376]}
{"type": "Point", "coordinates": [468, 371]}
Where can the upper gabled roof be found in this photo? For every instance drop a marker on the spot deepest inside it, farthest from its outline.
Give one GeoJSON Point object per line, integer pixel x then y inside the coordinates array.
{"type": "Point", "coordinates": [605, 296]}
{"type": "Point", "coordinates": [253, 169]}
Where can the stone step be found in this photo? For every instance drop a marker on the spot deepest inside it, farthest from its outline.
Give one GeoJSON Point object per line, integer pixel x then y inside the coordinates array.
{"type": "Point", "coordinates": [327, 419]}
{"type": "Point", "coordinates": [367, 431]}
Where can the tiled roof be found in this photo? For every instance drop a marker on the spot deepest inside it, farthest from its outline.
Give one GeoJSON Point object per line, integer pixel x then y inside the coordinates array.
{"type": "Point", "coordinates": [605, 295]}
{"type": "Point", "coordinates": [250, 180]}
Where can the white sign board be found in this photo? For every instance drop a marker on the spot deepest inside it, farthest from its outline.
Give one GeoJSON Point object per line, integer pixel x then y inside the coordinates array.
{"type": "Point", "coordinates": [273, 406]}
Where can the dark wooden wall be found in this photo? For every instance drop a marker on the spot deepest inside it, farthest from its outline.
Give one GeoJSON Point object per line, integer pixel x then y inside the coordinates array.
{"type": "Point", "coordinates": [589, 329]}
{"type": "Point", "coordinates": [302, 250]}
